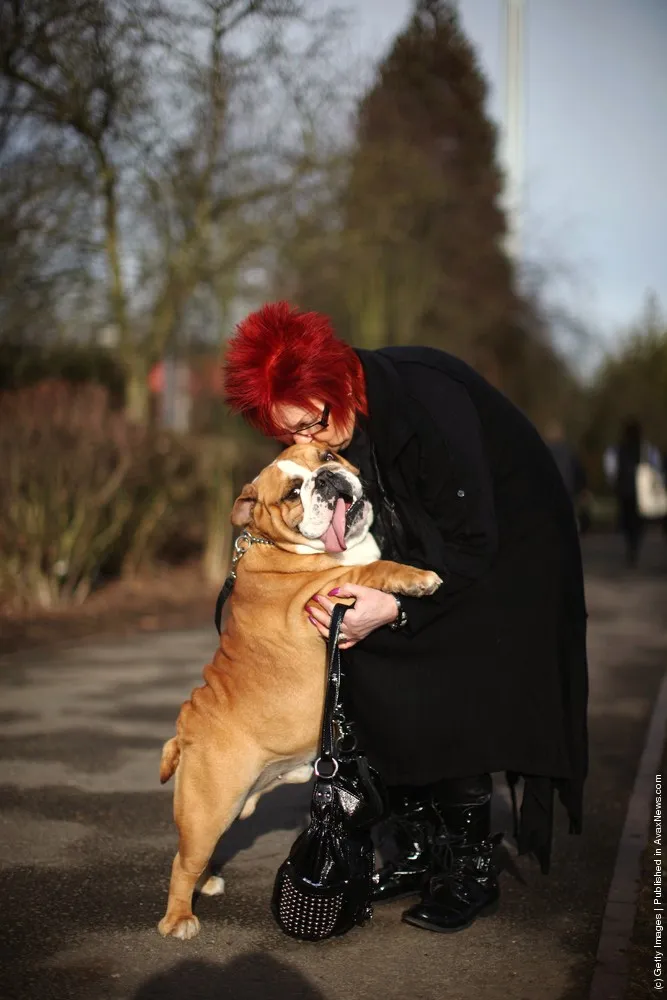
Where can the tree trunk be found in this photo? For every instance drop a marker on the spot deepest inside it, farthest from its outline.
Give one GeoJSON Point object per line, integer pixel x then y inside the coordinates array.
{"type": "Point", "coordinates": [220, 457]}
{"type": "Point", "coordinates": [117, 294]}
{"type": "Point", "coordinates": [136, 367]}
{"type": "Point", "coordinates": [137, 395]}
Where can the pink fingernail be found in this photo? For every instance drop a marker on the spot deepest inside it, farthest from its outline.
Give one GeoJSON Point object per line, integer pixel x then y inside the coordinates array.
{"type": "Point", "coordinates": [315, 599]}
{"type": "Point", "coordinates": [311, 619]}
{"type": "Point", "coordinates": [332, 593]}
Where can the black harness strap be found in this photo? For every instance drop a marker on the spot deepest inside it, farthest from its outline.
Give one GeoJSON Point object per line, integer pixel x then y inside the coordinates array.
{"type": "Point", "coordinates": [227, 588]}
{"type": "Point", "coordinates": [241, 546]}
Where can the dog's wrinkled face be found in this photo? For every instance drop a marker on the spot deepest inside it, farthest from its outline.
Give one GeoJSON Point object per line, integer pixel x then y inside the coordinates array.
{"type": "Point", "coordinates": [308, 495]}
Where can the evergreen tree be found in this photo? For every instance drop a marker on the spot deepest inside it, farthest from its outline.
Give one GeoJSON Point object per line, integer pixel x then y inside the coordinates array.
{"type": "Point", "coordinates": [424, 231]}
{"type": "Point", "coordinates": [408, 247]}
{"type": "Point", "coordinates": [632, 382]}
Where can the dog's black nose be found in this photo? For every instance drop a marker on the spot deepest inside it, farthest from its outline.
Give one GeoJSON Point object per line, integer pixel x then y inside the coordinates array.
{"type": "Point", "coordinates": [327, 476]}
{"type": "Point", "coordinates": [330, 483]}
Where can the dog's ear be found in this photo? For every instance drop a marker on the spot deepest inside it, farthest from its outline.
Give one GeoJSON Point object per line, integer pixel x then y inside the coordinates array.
{"type": "Point", "coordinates": [243, 507]}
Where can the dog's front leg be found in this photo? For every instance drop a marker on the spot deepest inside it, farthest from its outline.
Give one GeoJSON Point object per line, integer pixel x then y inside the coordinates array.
{"type": "Point", "coordinates": [396, 578]}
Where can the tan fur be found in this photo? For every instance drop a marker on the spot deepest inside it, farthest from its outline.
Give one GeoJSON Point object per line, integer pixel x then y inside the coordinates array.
{"type": "Point", "coordinates": [171, 753]}
{"type": "Point", "coordinates": [256, 719]}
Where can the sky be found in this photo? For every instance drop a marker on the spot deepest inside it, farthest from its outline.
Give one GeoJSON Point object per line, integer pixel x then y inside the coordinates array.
{"type": "Point", "coordinates": [594, 191]}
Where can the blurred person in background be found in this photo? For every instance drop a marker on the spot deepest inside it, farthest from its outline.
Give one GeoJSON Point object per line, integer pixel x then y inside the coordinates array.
{"type": "Point", "coordinates": [570, 468]}
{"type": "Point", "coordinates": [620, 467]}
{"type": "Point", "coordinates": [487, 675]}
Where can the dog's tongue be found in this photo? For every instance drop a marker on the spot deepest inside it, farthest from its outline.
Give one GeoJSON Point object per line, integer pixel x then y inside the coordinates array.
{"type": "Point", "coordinates": [334, 536]}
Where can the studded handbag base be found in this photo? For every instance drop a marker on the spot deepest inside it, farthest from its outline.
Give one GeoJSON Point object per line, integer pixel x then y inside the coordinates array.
{"type": "Point", "coordinates": [323, 888]}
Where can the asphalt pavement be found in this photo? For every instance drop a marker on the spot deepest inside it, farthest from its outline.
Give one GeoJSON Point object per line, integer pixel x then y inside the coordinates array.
{"type": "Point", "coordinates": [86, 837]}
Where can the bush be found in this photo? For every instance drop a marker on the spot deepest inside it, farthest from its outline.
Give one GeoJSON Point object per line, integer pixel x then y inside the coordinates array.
{"type": "Point", "coordinates": [164, 487]}
{"type": "Point", "coordinates": [22, 365]}
{"type": "Point", "coordinates": [89, 496]}
{"type": "Point", "coordinates": [65, 456]}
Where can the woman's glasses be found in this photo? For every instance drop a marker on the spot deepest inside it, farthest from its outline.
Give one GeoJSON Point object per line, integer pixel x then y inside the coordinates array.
{"type": "Point", "coordinates": [313, 428]}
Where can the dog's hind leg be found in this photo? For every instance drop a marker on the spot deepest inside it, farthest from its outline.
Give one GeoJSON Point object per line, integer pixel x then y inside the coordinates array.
{"type": "Point", "coordinates": [210, 787]}
{"type": "Point", "coordinates": [213, 886]}
{"type": "Point", "coordinates": [215, 883]}
{"type": "Point", "coordinates": [297, 776]}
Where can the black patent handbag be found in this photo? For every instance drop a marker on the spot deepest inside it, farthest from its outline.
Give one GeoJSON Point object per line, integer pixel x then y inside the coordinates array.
{"type": "Point", "coordinates": [323, 888]}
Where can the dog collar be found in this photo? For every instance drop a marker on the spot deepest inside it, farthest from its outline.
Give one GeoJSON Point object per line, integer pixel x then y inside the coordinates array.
{"type": "Point", "coordinates": [241, 545]}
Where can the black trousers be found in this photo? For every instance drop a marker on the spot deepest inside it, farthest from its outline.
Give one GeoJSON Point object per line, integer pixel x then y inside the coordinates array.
{"type": "Point", "coordinates": [632, 527]}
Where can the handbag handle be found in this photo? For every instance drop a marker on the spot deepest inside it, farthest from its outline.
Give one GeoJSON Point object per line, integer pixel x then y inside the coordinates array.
{"type": "Point", "coordinates": [327, 746]}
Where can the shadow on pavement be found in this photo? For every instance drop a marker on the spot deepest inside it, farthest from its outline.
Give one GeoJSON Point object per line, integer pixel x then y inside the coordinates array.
{"type": "Point", "coordinates": [82, 863]}
{"type": "Point", "coordinates": [249, 977]}
{"type": "Point", "coordinates": [285, 808]}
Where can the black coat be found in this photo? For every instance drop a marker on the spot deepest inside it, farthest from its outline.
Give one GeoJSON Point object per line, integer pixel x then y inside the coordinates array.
{"type": "Point", "coordinates": [490, 673]}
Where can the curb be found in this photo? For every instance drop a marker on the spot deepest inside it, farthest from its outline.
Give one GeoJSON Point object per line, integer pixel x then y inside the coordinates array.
{"type": "Point", "coordinates": [611, 969]}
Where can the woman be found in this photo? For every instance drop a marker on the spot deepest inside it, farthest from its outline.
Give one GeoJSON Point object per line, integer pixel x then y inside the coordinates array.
{"type": "Point", "coordinates": [489, 674]}
{"type": "Point", "coordinates": [621, 465]}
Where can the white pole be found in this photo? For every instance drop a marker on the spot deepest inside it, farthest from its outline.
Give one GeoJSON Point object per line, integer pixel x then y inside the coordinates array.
{"type": "Point", "coordinates": [513, 138]}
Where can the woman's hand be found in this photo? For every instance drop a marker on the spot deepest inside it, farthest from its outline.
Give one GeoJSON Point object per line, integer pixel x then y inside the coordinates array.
{"type": "Point", "coordinates": [372, 609]}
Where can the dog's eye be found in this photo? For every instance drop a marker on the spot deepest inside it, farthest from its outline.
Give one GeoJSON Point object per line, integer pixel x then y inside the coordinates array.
{"type": "Point", "coordinates": [328, 456]}
{"type": "Point", "coordinates": [293, 494]}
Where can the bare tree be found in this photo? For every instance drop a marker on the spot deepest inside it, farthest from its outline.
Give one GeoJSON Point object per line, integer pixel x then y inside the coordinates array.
{"type": "Point", "coordinates": [166, 120]}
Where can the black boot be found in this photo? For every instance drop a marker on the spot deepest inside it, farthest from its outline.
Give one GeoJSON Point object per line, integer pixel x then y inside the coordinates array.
{"type": "Point", "coordinates": [463, 883]}
{"type": "Point", "coordinates": [412, 822]}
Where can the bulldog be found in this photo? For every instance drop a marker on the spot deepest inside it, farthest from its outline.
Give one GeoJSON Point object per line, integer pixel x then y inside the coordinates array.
{"type": "Point", "coordinates": [256, 720]}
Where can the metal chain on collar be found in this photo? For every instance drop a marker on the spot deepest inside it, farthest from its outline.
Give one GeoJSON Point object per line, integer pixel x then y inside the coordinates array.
{"type": "Point", "coordinates": [241, 546]}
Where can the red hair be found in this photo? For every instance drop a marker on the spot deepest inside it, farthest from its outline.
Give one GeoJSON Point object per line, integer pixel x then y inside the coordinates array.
{"type": "Point", "coordinates": [282, 356]}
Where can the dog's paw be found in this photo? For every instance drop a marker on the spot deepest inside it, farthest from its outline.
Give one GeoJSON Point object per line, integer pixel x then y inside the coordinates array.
{"type": "Point", "coordinates": [213, 886]}
{"type": "Point", "coordinates": [432, 584]}
{"type": "Point", "coordinates": [422, 586]}
{"type": "Point", "coordinates": [249, 806]}
{"type": "Point", "coordinates": [299, 776]}
{"type": "Point", "coordinates": [183, 929]}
